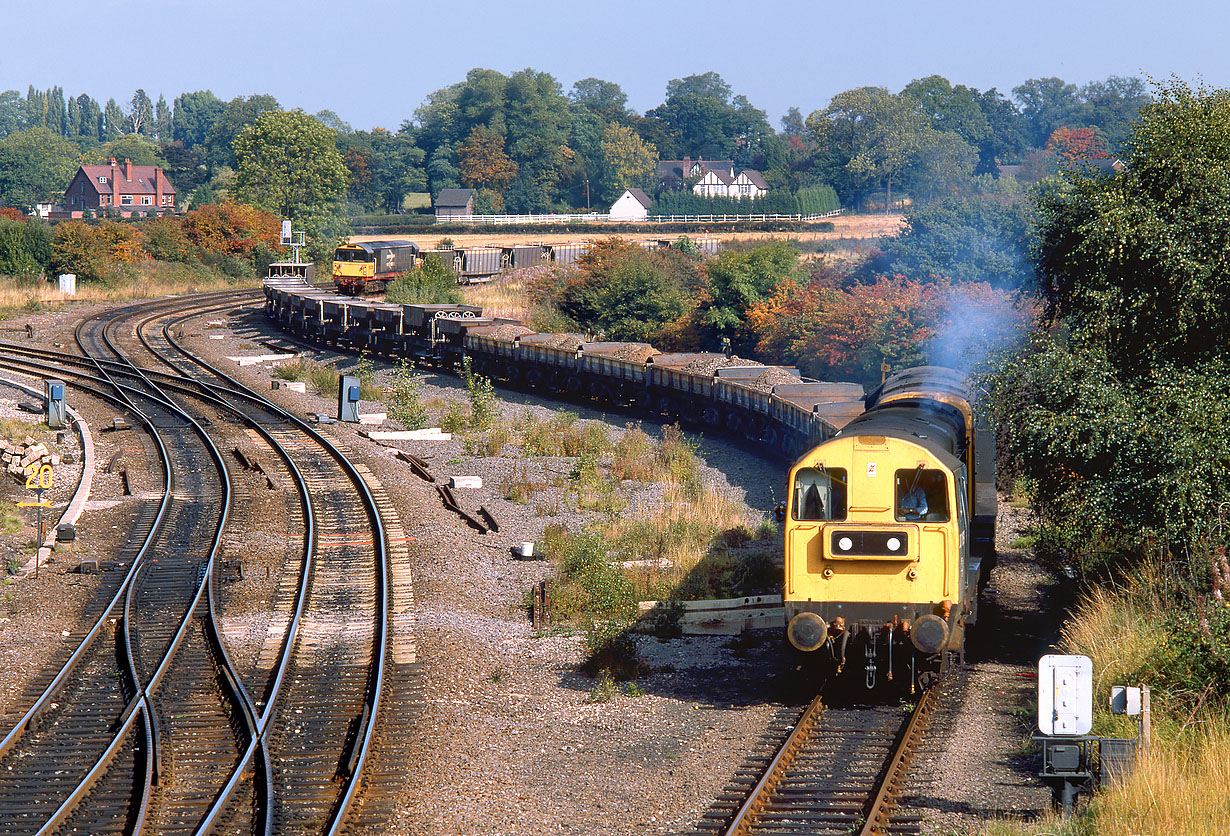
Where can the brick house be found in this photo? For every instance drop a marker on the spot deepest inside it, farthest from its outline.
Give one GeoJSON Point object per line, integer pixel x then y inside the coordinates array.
{"type": "Point", "coordinates": [126, 188]}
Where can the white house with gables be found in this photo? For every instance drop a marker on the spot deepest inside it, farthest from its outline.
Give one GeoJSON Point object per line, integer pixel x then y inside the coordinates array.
{"type": "Point", "coordinates": [746, 183]}
{"type": "Point", "coordinates": [713, 178]}
{"type": "Point", "coordinates": [633, 205]}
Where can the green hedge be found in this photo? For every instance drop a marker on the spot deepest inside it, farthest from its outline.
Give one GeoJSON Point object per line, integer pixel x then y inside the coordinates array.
{"type": "Point", "coordinates": [589, 228]}
{"type": "Point", "coordinates": [813, 200]}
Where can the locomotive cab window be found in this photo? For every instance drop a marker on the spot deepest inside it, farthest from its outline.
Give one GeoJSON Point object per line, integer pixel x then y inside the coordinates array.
{"type": "Point", "coordinates": [922, 496]}
{"type": "Point", "coordinates": [351, 255]}
{"type": "Point", "coordinates": [820, 493]}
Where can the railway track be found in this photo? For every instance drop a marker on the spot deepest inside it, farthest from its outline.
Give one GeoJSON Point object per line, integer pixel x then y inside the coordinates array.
{"type": "Point", "coordinates": [280, 746]}
{"type": "Point", "coordinates": [838, 771]}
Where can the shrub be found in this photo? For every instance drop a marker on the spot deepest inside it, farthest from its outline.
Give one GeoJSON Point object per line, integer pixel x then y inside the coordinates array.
{"type": "Point", "coordinates": [233, 229]}
{"type": "Point", "coordinates": [404, 400]}
{"type": "Point", "coordinates": [430, 283]}
{"type": "Point", "coordinates": [25, 246]}
{"type": "Point", "coordinates": [95, 252]}
{"type": "Point", "coordinates": [165, 240]}
{"type": "Point", "coordinates": [483, 406]}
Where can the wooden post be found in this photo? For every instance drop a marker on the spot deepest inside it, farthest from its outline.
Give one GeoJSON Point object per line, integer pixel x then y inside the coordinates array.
{"type": "Point", "coordinates": [1146, 719]}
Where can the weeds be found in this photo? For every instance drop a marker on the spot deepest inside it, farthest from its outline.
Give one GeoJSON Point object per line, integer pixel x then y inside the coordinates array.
{"type": "Point", "coordinates": [483, 405]}
{"type": "Point", "coordinates": [404, 398]}
{"type": "Point", "coordinates": [613, 652]}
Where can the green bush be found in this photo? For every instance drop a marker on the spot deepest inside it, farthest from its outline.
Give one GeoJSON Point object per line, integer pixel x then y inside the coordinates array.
{"type": "Point", "coordinates": [483, 405]}
{"type": "Point", "coordinates": [25, 247]}
{"type": "Point", "coordinates": [404, 400]}
{"type": "Point", "coordinates": [430, 283]}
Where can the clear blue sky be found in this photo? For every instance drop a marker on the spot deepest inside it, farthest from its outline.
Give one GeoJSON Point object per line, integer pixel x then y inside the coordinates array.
{"type": "Point", "coordinates": [373, 62]}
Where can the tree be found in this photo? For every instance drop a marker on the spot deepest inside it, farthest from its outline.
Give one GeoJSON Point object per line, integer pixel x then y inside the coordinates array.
{"type": "Point", "coordinates": [969, 239]}
{"type": "Point", "coordinates": [1118, 412]}
{"type": "Point", "coordinates": [792, 123]}
{"type": "Point", "coordinates": [113, 122]}
{"type": "Point", "coordinates": [1139, 256]}
{"type": "Point", "coordinates": [162, 120]}
{"type": "Point", "coordinates": [627, 161]}
{"type": "Point", "coordinates": [1047, 103]}
{"type": "Point", "coordinates": [704, 120]}
{"type": "Point", "coordinates": [288, 164]}
{"type": "Point", "coordinates": [133, 147]}
{"type": "Point", "coordinates": [1007, 139]}
{"type": "Point", "coordinates": [1112, 106]}
{"type": "Point", "coordinates": [1073, 144]}
{"type": "Point", "coordinates": [140, 113]}
{"type": "Point", "coordinates": [623, 291]}
{"type": "Point", "coordinates": [11, 112]}
{"type": "Point", "coordinates": [35, 167]}
{"type": "Point", "coordinates": [849, 333]}
{"type": "Point", "coordinates": [483, 161]}
{"type": "Point", "coordinates": [877, 134]}
{"type": "Point", "coordinates": [956, 109]}
{"type": "Point", "coordinates": [333, 122]}
{"type": "Point", "coordinates": [194, 116]}
{"type": "Point", "coordinates": [737, 280]}
{"type": "Point", "coordinates": [238, 114]}
{"type": "Point", "coordinates": [605, 99]}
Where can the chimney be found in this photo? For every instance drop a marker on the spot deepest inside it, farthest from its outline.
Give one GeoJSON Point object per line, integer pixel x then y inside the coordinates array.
{"type": "Point", "coordinates": [128, 170]}
{"type": "Point", "coordinates": [687, 167]}
{"type": "Point", "coordinates": [157, 189]}
{"type": "Point", "coordinates": [115, 192]}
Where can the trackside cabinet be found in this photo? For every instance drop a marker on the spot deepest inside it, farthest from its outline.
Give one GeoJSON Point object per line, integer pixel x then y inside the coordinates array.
{"type": "Point", "coordinates": [348, 398]}
{"type": "Point", "coordinates": [57, 417]}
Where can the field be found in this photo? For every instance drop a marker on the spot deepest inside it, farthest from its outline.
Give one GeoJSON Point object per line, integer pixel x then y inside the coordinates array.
{"type": "Point", "coordinates": [846, 227]}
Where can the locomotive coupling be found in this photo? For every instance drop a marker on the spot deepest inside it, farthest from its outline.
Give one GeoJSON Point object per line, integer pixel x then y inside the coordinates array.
{"type": "Point", "coordinates": [807, 631]}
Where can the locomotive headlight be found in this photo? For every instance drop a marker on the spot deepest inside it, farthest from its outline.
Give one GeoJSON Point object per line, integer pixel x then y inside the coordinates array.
{"type": "Point", "coordinates": [845, 544]}
{"type": "Point", "coordinates": [894, 543]}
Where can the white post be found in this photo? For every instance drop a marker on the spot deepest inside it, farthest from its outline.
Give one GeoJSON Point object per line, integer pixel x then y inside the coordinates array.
{"type": "Point", "coordinates": [1146, 719]}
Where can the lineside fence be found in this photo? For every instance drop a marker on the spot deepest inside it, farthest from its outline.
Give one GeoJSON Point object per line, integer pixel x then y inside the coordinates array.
{"type": "Point", "coordinates": [595, 217]}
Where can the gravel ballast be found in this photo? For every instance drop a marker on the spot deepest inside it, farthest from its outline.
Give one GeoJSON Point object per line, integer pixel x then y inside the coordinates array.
{"type": "Point", "coordinates": [513, 738]}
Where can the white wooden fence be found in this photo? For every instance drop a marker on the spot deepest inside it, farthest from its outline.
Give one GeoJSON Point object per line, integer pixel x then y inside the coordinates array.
{"type": "Point", "coordinates": [595, 217]}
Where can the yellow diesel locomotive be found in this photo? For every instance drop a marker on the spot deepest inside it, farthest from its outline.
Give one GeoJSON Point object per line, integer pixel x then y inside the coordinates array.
{"type": "Point", "coordinates": [889, 533]}
{"type": "Point", "coordinates": [369, 266]}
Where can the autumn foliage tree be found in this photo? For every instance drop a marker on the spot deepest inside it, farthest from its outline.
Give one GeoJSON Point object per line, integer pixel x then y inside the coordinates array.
{"type": "Point", "coordinates": [1071, 144]}
{"type": "Point", "coordinates": [852, 333]}
{"type": "Point", "coordinates": [96, 252]}
{"type": "Point", "coordinates": [232, 229]}
{"type": "Point", "coordinates": [483, 163]}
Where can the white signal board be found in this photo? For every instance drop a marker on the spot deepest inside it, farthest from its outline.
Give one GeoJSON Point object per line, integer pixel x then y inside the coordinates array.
{"type": "Point", "coordinates": [1065, 695]}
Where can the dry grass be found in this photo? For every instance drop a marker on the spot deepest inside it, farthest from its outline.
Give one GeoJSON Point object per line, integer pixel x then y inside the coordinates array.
{"type": "Point", "coordinates": [1178, 788]}
{"type": "Point", "coordinates": [1118, 632]}
{"type": "Point", "coordinates": [865, 226]}
{"type": "Point", "coordinates": [150, 280]}
{"type": "Point", "coordinates": [504, 296]}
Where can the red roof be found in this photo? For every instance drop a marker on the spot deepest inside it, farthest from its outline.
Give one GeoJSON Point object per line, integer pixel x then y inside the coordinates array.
{"type": "Point", "coordinates": [142, 179]}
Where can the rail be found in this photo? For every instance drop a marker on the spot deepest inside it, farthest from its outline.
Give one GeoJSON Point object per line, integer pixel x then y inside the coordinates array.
{"type": "Point", "coordinates": [827, 777]}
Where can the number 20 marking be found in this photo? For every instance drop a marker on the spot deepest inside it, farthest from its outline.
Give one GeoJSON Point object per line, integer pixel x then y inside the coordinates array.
{"type": "Point", "coordinates": [38, 478]}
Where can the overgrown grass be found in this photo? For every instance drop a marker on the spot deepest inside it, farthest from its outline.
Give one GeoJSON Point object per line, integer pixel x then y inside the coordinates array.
{"type": "Point", "coordinates": [1155, 630]}
{"type": "Point", "coordinates": [323, 377]}
{"type": "Point", "coordinates": [144, 281]}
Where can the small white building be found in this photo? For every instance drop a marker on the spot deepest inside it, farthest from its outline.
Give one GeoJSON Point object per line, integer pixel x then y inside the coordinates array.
{"type": "Point", "coordinates": [633, 205]}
